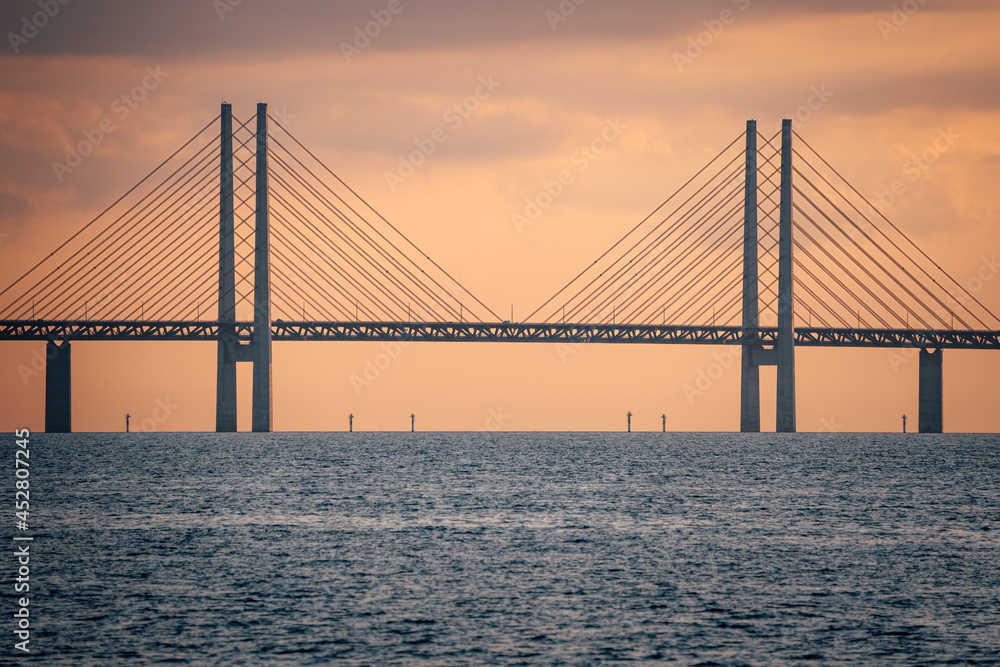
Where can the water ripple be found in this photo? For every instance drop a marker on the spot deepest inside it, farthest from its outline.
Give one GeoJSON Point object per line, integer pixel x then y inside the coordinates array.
{"type": "Point", "coordinates": [506, 549]}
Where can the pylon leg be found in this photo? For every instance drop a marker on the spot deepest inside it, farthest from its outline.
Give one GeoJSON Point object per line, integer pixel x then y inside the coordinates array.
{"type": "Point", "coordinates": [750, 377]}
{"type": "Point", "coordinates": [225, 395]}
{"type": "Point", "coordinates": [262, 294]}
{"type": "Point", "coordinates": [785, 346]}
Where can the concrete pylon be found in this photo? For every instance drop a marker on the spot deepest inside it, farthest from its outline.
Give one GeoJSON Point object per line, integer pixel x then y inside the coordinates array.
{"type": "Point", "coordinates": [785, 345]}
{"type": "Point", "coordinates": [225, 394]}
{"type": "Point", "coordinates": [261, 345]}
{"type": "Point", "coordinates": [58, 395]}
{"type": "Point", "coordinates": [931, 410]}
{"type": "Point", "coordinates": [750, 375]}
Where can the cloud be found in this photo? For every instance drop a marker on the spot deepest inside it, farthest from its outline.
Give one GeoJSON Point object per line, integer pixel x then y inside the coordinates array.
{"type": "Point", "coordinates": [193, 28]}
{"type": "Point", "coordinates": [13, 207]}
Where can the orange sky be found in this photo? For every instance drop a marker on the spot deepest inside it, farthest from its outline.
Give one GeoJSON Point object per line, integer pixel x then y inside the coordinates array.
{"type": "Point", "coordinates": [891, 82]}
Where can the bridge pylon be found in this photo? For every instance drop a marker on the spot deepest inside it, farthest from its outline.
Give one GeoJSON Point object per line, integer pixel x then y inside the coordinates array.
{"type": "Point", "coordinates": [146, 272]}
{"type": "Point", "coordinates": [782, 354]}
{"type": "Point", "coordinates": [230, 351]}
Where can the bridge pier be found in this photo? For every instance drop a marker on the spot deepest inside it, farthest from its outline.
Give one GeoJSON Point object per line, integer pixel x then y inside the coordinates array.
{"type": "Point", "coordinates": [785, 346]}
{"type": "Point", "coordinates": [58, 406]}
{"type": "Point", "coordinates": [931, 417]}
{"type": "Point", "coordinates": [750, 367]}
{"type": "Point", "coordinates": [261, 344]}
{"type": "Point", "coordinates": [225, 397]}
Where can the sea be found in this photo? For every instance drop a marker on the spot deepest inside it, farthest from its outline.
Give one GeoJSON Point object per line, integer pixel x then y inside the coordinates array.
{"type": "Point", "coordinates": [509, 549]}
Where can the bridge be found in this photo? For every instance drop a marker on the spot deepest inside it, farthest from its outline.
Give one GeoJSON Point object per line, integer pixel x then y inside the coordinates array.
{"type": "Point", "coordinates": [245, 222]}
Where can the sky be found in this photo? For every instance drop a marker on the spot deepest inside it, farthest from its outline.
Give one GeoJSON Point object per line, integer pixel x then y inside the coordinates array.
{"type": "Point", "coordinates": [871, 85]}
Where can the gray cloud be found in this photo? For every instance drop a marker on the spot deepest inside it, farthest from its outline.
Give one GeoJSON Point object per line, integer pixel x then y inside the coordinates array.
{"type": "Point", "coordinates": [13, 207]}
{"type": "Point", "coordinates": [14, 210]}
{"type": "Point", "coordinates": [193, 27]}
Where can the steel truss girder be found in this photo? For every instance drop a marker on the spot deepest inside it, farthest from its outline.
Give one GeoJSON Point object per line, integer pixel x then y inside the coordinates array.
{"type": "Point", "coordinates": [492, 332]}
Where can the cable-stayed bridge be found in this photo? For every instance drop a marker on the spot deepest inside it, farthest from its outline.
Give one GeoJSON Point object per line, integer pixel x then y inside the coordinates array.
{"type": "Point", "coordinates": [243, 237]}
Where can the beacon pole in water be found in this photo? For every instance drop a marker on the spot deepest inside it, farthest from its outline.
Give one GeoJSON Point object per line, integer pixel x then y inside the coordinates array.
{"type": "Point", "coordinates": [664, 418]}
{"type": "Point", "coordinates": [412, 422]}
{"type": "Point", "coordinates": [629, 417]}
{"type": "Point", "coordinates": [350, 423]}
{"type": "Point", "coordinates": [126, 421]}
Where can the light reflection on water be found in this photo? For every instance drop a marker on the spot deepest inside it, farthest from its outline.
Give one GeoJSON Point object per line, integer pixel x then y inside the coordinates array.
{"type": "Point", "coordinates": [515, 548]}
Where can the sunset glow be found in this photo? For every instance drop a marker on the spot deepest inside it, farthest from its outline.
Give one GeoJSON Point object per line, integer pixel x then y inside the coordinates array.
{"type": "Point", "coordinates": [513, 143]}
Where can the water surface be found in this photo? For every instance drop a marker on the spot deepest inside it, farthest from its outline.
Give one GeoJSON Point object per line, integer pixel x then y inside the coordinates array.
{"type": "Point", "coordinates": [518, 548]}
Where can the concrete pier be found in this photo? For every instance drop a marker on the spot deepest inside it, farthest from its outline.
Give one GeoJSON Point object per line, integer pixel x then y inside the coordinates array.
{"type": "Point", "coordinates": [225, 396]}
{"type": "Point", "coordinates": [785, 345]}
{"type": "Point", "coordinates": [261, 345]}
{"type": "Point", "coordinates": [931, 418]}
{"type": "Point", "coordinates": [750, 369]}
{"type": "Point", "coordinates": [58, 403]}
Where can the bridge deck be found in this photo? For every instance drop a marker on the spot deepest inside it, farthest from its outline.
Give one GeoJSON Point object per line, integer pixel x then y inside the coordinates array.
{"type": "Point", "coordinates": [496, 332]}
